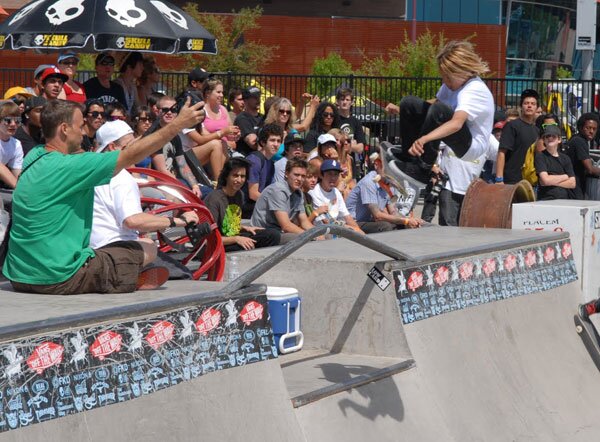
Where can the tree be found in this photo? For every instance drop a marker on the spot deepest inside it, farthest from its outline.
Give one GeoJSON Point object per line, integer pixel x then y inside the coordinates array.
{"type": "Point", "coordinates": [331, 71]}
{"type": "Point", "coordinates": [235, 53]}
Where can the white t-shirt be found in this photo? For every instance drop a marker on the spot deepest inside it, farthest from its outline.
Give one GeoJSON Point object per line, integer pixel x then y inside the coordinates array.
{"type": "Point", "coordinates": [333, 199]}
{"type": "Point", "coordinates": [280, 169]}
{"type": "Point", "coordinates": [186, 141]}
{"type": "Point", "coordinates": [461, 173]}
{"type": "Point", "coordinates": [476, 100]}
{"type": "Point", "coordinates": [11, 153]}
{"type": "Point", "coordinates": [113, 203]}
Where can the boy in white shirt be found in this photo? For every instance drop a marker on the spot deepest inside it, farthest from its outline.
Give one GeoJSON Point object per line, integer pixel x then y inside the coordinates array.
{"type": "Point", "coordinates": [326, 193]}
{"type": "Point", "coordinates": [11, 151]}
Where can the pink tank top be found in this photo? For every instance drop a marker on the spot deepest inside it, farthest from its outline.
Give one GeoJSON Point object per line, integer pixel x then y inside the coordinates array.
{"type": "Point", "coordinates": [214, 125]}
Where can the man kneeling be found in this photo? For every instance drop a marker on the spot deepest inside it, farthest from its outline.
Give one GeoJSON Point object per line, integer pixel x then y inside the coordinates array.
{"type": "Point", "coordinates": [48, 249]}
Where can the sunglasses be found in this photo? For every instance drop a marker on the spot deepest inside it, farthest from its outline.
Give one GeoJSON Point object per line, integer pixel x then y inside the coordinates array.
{"type": "Point", "coordinates": [145, 119]}
{"type": "Point", "coordinates": [8, 120]}
{"type": "Point", "coordinates": [545, 125]}
{"type": "Point", "coordinates": [285, 112]}
{"type": "Point", "coordinates": [328, 114]}
{"type": "Point", "coordinates": [118, 117]}
{"type": "Point", "coordinates": [70, 62]}
{"type": "Point", "coordinates": [166, 110]}
{"type": "Point", "coordinates": [107, 63]}
{"type": "Point", "coordinates": [96, 114]}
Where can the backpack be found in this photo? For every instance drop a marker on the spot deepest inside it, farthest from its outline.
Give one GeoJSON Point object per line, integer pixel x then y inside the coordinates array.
{"type": "Point", "coordinates": [528, 169]}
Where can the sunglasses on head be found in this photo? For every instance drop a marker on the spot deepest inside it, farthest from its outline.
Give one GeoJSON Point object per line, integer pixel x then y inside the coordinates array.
{"type": "Point", "coordinates": [96, 114]}
{"type": "Point", "coordinates": [8, 120]}
{"type": "Point", "coordinates": [118, 117]}
{"type": "Point", "coordinates": [285, 112]}
{"type": "Point", "coordinates": [328, 114]}
{"type": "Point", "coordinates": [166, 110]}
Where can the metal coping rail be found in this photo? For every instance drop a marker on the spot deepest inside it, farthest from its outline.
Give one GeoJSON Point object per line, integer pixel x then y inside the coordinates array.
{"type": "Point", "coordinates": [239, 287]}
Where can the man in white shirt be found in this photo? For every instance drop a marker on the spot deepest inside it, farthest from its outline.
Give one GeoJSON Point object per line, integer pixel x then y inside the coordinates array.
{"type": "Point", "coordinates": [118, 214]}
{"type": "Point", "coordinates": [326, 193]}
{"type": "Point", "coordinates": [11, 151]}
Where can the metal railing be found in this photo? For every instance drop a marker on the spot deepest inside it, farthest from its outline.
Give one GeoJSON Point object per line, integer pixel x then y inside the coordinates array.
{"type": "Point", "coordinates": [566, 98]}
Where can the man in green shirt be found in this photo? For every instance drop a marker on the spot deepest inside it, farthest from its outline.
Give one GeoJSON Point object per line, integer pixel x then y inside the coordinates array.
{"type": "Point", "coordinates": [48, 249]}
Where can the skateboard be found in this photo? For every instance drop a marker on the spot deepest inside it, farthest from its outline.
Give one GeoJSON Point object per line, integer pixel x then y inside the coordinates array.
{"type": "Point", "coordinates": [589, 335]}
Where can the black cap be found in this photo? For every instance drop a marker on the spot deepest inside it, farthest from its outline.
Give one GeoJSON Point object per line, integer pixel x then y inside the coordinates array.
{"type": "Point", "coordinates": [198, 74]}
{"type": "Point", "coordinates": [552, 129]}
{"type": "Point", "coordinates": [251, 91]}
{"type": "Point", "coordinates": [294, 137]}
{"type": "Point", "coordinates": [33, 102]}
{"type": "Point", "coordinates": [104, 56]}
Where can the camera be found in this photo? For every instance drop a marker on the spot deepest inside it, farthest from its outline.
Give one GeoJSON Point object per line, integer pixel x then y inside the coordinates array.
{"type": "Point", "coordinates": [194, 96]}
{"type": "Point", "coordinates": [434, 187]}
{"type": "Point", "coordinates": [197, 232]}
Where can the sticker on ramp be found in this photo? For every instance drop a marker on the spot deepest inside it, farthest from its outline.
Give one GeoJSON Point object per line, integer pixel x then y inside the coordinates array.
{"type": "Point", "coordinates": [378, 278]}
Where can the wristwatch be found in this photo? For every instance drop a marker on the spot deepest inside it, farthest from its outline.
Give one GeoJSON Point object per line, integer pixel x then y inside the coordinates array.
{"type": "Point", "coordinates": [171, 221]}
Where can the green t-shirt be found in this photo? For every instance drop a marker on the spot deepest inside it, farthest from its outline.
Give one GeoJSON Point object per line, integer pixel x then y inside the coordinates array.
{"type": "Point", "coordinates": [52, 211]}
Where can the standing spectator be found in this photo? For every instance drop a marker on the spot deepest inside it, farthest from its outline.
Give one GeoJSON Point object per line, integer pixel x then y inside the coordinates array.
{"type": "Point", "coordinates": [52, 80]}
{"type": "Point", "coordinates": [578, 150]}
{"type": "Point", "coordinates": [129, 73]}
{"type": "Point", "coordinates": [327, 118]}
{"type": "Point", "coordinates": [326, 194]}
{"type": "Point", "coordinates": [517, 136]}
{"type": "Point", "coordinates": [235, 102]}
{"type": "Point", "coordinates": [249, 121]}
{"type": "Point", "coordinates": [72, 90]}
{"type": "Point", "coordinates": [371, 205]}
{"type": "Point", "coordinates": [349, 124]}
{"type": "Point", "coordinates": [225, 205]}
{"type": "Point", "coordinates": [262, 167]}
{"type": "Point", "coordinates": [281, 205]}
{"type": "Point", "coordinates": [93, 118]}
{"type": "Point", "coordinates": [211, 142]}
{"type": "Point", "coordinates": [29, 132]}
{"type": "Point", "coordinates": [101, 86]}
{"type": "Point", "coordinates": [52, 211]}
{"type": "Point", "coordinates": [11, 152]}
{"type": "Point", "coordinates": [554, 169]}
{"type": "Point", "coordinates": [147, 82]}
{"type": "Point", "coordinates": [294, 148]}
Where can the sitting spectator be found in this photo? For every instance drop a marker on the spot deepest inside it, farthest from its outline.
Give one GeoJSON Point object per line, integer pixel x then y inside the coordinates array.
{"type": "Point", "coordinates": [196, 79]}
{"type": "Point", "coordinates": [18, 95]}
{"type": "Point", "coordinates": [142, 118]}
{"type": "Point", "coordinates": [249, 121]}
{"type": "Point", "coordinates": [262, 167]}
{"type": "Point", "coordinates": [36, 89]}
{"type": "Point", "coordinates": [153, 100]}
{"type": "Point", "coordinates": [118, 214]}
{"type": "Point", "coordinates": [146, 84]}
{"type": "Point", "coordinates": [554, 169]}
{"type": "Point", "coordinates": [326, 194]}
{"type": "Point", "coordinates": [130, 71]}
{"type": "Point", "coordinates": [52, 80]}
{"type": "Point", "coordinates": [235, 102]}
{"type": "Point", "coordinates": [93, 118]}
{"type": "Point", "coordinates": [512, 113]}
{"type": "Point", "coordinates": [578, 150]}
{"type": "Point", "coordinates": [169, 159]}
{"type": "Point", "coordinates": [29, 132]}
{"type": "Point", "coordinates": [310, 182]}
{"type": "Point", "coordinates": [116, 111]}
{"type": "Point", "coordinates": [72, 90]}
{"type": "Point", "coordinates": [327, 118]}
{"type": "Point", "coordinates": [370, 204]}
{"type": "Point", "coordinates": [293, 148]}
{"type": "Point", "coordinates": [347, 183]}
{"type": "Point", "coordinates": [281, 113]}
{"type": "Point", "coordinates": [281, 205]}
{"type": "Point", "coordinates": [11, 152]}
{"type": "Point", "coordinates": [102, 87]}
{"type": "Point", "coordinates": [213, 140]}
{"type": "Point", "coordinates": [225, 204]}
{"type": "Point", "coordinates": [326, 150]}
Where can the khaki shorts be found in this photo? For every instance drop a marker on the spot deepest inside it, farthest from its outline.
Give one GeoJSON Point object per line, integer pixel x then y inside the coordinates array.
{"type": "Point", "coordinates": [114, 269]}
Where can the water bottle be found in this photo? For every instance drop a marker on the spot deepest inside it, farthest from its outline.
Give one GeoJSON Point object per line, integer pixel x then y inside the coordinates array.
{"type": "Point", "coordinates": [233, 269]}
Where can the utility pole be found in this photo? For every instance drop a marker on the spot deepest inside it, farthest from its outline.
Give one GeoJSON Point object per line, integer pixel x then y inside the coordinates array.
{"type": "Point", "coordinates": [585, 41]}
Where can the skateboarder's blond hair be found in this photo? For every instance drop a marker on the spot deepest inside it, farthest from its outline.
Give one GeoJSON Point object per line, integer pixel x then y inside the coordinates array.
{"type": "Point", "coordinates": [459, 58]}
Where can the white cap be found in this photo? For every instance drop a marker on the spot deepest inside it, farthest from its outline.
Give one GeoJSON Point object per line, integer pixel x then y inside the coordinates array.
{"type": "Point", "coordinates": [110, 132]}
{"type": "Point", "coordinates": [326, 138]}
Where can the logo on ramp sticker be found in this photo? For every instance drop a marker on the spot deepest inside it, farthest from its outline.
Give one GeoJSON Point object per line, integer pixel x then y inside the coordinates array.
{"type": "Point", "coordinates": [378, 278]}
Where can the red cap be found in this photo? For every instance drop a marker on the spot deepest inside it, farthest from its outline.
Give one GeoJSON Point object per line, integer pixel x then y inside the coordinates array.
{"type": "Point", "coordinates": [500, 124]}
{"type": "Point", "coordinates": [53, 72]}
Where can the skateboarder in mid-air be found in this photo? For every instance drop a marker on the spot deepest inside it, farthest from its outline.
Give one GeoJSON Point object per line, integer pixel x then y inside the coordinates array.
{"type": "Point", "coordinates": [461, 115]}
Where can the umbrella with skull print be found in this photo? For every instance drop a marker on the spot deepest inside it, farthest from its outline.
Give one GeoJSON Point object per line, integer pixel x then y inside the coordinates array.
{"type": "Point", "coordinates": [99, 25]}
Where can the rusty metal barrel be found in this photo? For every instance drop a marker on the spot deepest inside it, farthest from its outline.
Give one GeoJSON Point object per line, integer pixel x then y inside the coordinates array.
{"type": "Point", "coordinates": [490, 205]}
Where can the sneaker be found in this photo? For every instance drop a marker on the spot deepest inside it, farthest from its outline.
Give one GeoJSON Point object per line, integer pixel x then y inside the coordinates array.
{"type": "Point", "coordinates": [152, 278]}
{"type": "Point", "coordinates": [413, 172]}
{"type": "Point", "coordinates": [585, 310]}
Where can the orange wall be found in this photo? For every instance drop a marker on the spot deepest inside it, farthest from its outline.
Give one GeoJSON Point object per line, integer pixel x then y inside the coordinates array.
{"type": "Point", "coordinates": [302, 39]}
